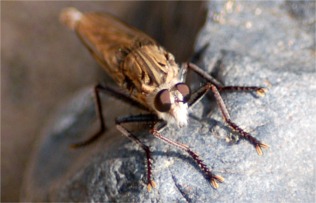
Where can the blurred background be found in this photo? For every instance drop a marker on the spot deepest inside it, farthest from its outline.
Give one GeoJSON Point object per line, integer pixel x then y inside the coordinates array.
{"type": "Point", "coordinates": [43, 64]}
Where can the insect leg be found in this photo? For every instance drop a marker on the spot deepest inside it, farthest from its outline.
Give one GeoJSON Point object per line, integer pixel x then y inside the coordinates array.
{"type": "Point", "coordinates": [245, 135]}
{"type": "Point", "coordinates": [259, 90]}
{"type": "Point", "coordinates": [139, 118]}
{"type": "Point", "coordinates": [112, 92]}
{"type": "Point", "coordinates": [213, 178]}
{"type": "Point", "coordinates": [201, 73]}
{"type": "Point", "coordinates": [258, 145]}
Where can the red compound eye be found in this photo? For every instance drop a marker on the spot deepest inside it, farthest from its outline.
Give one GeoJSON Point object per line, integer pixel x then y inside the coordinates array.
{"type": "Point", "coordinates": [162, 101]}
{"type": "Point", "coordinates": [184, 90]}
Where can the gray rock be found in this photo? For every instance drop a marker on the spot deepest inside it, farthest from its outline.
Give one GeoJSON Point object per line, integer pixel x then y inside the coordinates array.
{"type": "Point", "coordinates": [270, 44]}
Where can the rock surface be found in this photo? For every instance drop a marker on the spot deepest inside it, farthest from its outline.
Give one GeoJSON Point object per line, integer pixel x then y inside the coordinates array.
{"type": "Point", "coordinates": [270, 44]}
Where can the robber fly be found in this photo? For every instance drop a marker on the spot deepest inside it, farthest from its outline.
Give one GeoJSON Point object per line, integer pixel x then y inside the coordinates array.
{"type": "Point", "coordinates": [152, 81]}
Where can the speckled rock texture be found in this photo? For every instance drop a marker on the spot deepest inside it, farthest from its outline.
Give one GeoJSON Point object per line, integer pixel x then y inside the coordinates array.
{"type": "Point", "coordinates": [270, 44]}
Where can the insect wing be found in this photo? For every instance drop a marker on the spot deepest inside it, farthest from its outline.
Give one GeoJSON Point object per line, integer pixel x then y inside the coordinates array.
{"type": "Point", "coordinates": [109, 40]}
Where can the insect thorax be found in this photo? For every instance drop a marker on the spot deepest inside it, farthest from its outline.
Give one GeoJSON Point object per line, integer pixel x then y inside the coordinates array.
{"type": "Point", "coordinates": [148, 69]}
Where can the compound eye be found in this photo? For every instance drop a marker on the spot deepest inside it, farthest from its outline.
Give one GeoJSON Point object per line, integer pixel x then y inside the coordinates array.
{"type": "Point", "coordinates": [184, 90]}
{"type": "Point", "coordinates": [162, 101]}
